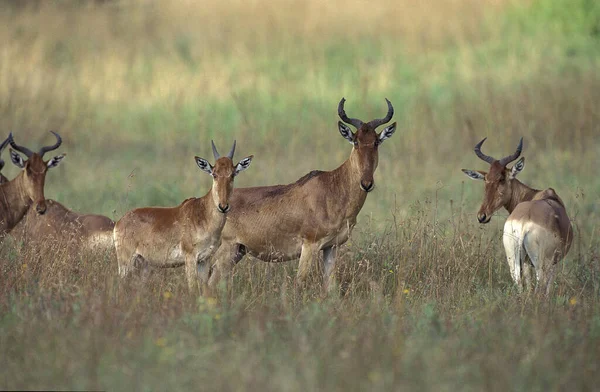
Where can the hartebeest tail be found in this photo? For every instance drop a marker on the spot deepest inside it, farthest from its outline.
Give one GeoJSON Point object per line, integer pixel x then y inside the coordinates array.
{"type": "Point", "coordinates": [27, 188]}
{"type": "Point", "coordinates": [316, 213]}
{"type": "Point", "coordinates": [537, 233]}
{"type": "Point", "coordinates": [184, 235]}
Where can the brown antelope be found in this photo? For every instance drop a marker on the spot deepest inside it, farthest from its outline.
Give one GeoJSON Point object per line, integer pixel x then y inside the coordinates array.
{"type": "Point", "coordinates": [316, 213]}
{"type": "Point", "coordinates": [3, 179]}
{"type": "Point", "coordinates": [59, 226]}
{"type": "Point", "coordinates": [184, 235]}
{"type": "Point", "coordinates": [537, 233]}
{"type": "Point", "coordinates": [27, 187]}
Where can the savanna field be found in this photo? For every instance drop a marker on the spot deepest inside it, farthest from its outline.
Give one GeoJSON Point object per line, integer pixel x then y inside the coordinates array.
{"type": "Point", "coordinates": [425, 299]}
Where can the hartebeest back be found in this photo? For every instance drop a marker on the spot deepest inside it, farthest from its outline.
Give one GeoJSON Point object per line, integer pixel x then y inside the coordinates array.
{"type": "Point", "coordinates": [537, 233]}
{"type": "Point", "coordinates": [184, 235]}
{"type": "Point", "coordinates": [317, 212]}
{"type": "Point", "coordinates": [27, 188]}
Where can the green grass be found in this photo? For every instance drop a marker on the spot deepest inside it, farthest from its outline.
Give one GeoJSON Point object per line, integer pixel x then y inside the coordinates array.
{"type": "Point", "coordinates": [137, 89]}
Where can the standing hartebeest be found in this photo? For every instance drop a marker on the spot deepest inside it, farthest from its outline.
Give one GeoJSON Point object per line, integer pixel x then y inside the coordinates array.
{"type": "Point", "coordinates": [317, 212]}
{"type": "Point", "coordinates": [537, 233]}
{"type": "Point", "coordinates": [188, 234]}
{"type": "Point", "coordinates": [17, 195]}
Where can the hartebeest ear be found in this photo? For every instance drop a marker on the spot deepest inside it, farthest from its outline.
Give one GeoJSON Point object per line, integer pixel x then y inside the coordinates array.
{"type": "Point", "coordinates": [474, 174]}
{"type": "Point", "coordinates": [17, 159]}
{"type": "Point", "coordinates": [387, 132]}
{"type": "Point", "coordinates": [516, 169]}
{"type": "Point", "coordinates": [243, 165]}
{"type": "Point", "coordinates": [346, 132]}
{"type": "Point", "coordinates": [204, 165]}
{"type": "Point", "coordinates": [55, 161]}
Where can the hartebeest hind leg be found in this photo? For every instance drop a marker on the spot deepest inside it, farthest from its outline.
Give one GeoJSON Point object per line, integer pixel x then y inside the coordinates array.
{"type": "Point", "coordinates": [224, 259]}
{"type": "Point", "coordinates": [515, 253]}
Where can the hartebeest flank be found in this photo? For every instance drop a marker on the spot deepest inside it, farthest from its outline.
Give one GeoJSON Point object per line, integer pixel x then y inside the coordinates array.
{"type": "Point", "coordinates": [27, 188]}
{"type": "Point", "coordinates": [316, 213]}
{"type": "Point", "coordinates": [537, 233]}
{"type": "Point", "coordinates": [188, 234]}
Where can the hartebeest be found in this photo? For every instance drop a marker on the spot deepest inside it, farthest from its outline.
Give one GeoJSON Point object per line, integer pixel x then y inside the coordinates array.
{"type": "Point", "coordinates": [59, 226]}
{"type": "Point", "coordinates": [316, 213]}
{"type": "Point", "coordinates": [188, 234]}
{"type": "Point", "coordinates": [27, 188]}
{"type": "Point", "coordinates": [537, 233]}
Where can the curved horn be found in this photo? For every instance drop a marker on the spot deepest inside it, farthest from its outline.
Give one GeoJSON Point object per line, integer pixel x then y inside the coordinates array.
{"type": "Point", "coordinates": [379, 121]}
{"type": "Point", "coordinates": [352, 121]}
{"type": "Point", "coordinates": [506, 160]}
{"type": "Point", "coordinates": [22, 149]}
{"type": "Point", "coordinates": [215, 152]}
{"type": "Point", "coordinates": [5, 143]}
{"type": "Point", "coordinates": [481, 155]}
{"type": "Point", "coordinates": [230, 154]}
{"type": "Point", "coordinates": [44, 150]}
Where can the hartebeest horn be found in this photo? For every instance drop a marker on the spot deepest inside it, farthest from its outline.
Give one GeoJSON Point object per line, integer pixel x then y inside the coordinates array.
{"type": "Point", "coordinates": [481, 155]}
{"type": "Point", "coordinates": [2, 147]}
{"type": "Point", "coordinates": [230, 154]}
{"type": "Point", "coordinates": [215, 152]}
{"type": "Point", "coordinates": [352, 121]}
{"type": "Point", "coordinates": [506, 160]}
{"type": "Point", "coordinates": [379, 121]}
{"type": "Point", "coordinates": [22, 149]}
{"type": "Point", "coordinates": [45, 149]}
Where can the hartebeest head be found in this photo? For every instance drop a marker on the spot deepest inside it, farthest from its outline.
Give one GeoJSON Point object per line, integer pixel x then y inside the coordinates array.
{"type": "Point", "coordinates": [223, 173]}
{"type": "Point", "coordinates": [3, 179]}
{"type": "Point", "coordinates": [498, 181]}
{"type": "Point", "coordinates": [366, 141]}
{"type": "Point", "coordinates": [35, 169]}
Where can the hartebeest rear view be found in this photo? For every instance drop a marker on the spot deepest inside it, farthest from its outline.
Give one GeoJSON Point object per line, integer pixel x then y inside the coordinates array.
{"type": "Point", "coordinates": [188, 234]}
{"type": "Point", "coordinates": [316, 213]}
{"type": "Point", "coordinates": [537, 233]}
{"type": "Point", "coordinates": [27, 188]}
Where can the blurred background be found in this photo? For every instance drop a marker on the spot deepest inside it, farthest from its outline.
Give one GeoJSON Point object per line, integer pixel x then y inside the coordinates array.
{"type": "Point", "coordinates": [137, 88]}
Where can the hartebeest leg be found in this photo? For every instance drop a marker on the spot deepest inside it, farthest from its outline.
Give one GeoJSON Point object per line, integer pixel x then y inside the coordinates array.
{"type": "Point", "coordinates": [191, 272]}
{"type": "Point", "coordinates": [528, 272]}
{"type": "Point", "coordinates": [514, 256]}
{"type": "Point", "coordinates": [224, 259]}
{"type": "Point", "coordinates": [203, 275]}
{"type": "Point", "coordinates": [307, 255]}
{"type": "Point", "coordinates": [329, 258]}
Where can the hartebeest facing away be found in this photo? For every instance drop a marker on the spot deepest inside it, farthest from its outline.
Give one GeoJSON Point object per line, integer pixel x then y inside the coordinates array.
{"type": "Point", "coordinates": [537, 233]}
{"type": "Point", "coordinates": [27, 188]}
{"type": "Point", "coordinates": [316, 213]}
{"type": "Point", "coordinates": [188, 234]}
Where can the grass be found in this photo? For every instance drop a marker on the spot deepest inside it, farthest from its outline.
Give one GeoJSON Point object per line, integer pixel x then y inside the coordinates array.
{"type": "Point", "coordinates": [138, 88]}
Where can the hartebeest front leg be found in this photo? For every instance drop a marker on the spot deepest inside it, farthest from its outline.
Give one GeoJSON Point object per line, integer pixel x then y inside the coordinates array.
{"type": "Point", "coordinates": [307, 255]}
{"type": "Point", "coordinates": [329, 259]}
{"type": "Point", "coordinates": [191, 271]}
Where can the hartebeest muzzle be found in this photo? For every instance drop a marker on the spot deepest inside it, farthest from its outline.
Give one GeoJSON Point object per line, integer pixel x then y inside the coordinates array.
{"type": "Point", "coordinates": [367, 186]}
{"type": "Point", "coordinates": [223, 209]}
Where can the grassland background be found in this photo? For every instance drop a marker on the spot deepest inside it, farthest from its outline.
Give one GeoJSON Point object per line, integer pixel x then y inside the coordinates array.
{"type": "Point", "coordinates": [137, 88]}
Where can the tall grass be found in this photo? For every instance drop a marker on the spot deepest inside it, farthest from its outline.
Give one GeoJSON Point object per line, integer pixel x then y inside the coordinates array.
{"type": "Point", "coordinates": [137, 88]}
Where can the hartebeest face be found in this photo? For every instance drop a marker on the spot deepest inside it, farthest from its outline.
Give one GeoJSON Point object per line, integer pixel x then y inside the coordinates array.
{"type": "Point", "coordinates": [366, 141]}
{"type": "Point", "coordinates": [34, 170]}
{"type": "Point", "coordinates": [498, 181]}
{"type": "Point", "coordinates": [223, 174]}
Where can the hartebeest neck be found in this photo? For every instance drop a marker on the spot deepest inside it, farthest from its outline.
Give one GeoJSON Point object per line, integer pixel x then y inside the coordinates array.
{"type": "Point", "coordinates": [203, 212]}
{"type": "Point", "coordinates": [520, 193]}
{"type": "Point", "coordinates": [15, 200]}
{"type": "Point", "coordinates": [346, 184]}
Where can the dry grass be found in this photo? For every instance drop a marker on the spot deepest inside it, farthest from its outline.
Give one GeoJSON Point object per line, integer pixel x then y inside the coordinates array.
{"type": "Point", "coordinates": [138, 88]}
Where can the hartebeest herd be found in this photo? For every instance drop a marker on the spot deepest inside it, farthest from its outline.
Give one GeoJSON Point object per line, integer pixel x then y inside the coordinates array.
{"type": "Point", "coordinates": [211, 234]}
